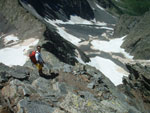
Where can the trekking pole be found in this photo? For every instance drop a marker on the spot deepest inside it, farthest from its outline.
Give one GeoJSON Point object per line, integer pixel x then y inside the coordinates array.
{"type": "Point", "coordinates": [47, 67]}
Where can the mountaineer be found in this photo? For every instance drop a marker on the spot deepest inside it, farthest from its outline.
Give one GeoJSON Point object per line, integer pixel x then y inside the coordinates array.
{"type": "Point", "coordinates": [36, 58]}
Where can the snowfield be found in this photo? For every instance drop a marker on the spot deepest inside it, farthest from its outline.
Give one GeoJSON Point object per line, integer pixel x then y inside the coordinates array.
{"type": "Point", "coordinates": [113, 46]}
{"type": "Point", "coordinates": [109, 69]}
{"type": "Point", "coordinates": [17, 54]}
{"type": "Point", "coordinates": [11, 38]}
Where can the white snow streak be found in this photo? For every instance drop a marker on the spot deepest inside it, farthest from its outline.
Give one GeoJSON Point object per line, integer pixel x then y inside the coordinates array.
{"type": "Point", "coordinates": [74, 40]}
{"type": "Point", "coordinates": [78, 20]}
{"type": "Point", "coordinates": [100, 7]}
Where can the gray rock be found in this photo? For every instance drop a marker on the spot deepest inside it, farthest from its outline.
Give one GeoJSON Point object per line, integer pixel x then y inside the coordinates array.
{"type": "Point", "coordinates": [3, 77]}
{"type": "Point", "coordinates": [62, 87]}
{"type": "Point", "coordinates": [67, 68]}
{"type": "Point", "coordinates": [91, 85]}
{"type": "Point", "coordinates": [42, 84]}
{"type": "Point", "coordinates": [17, 72]}
{"type": "Point", "coordinates": [87, 95]}
{"type": "Point", "coordinates": [29, 106]}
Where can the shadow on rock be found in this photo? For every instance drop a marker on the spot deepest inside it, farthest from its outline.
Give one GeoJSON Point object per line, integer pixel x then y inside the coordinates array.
{"type": "Point", "coordinates": [51, 76]}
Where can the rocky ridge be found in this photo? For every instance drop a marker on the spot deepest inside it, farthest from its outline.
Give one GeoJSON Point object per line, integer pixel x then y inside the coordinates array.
{"type": "Point", "coordinates": [80, 89]}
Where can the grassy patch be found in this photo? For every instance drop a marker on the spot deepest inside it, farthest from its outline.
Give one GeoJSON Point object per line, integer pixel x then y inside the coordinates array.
{"type": "Point", "coordinates": [133, 7]}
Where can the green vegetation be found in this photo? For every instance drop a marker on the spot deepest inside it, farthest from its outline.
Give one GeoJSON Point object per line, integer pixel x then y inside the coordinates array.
{"type": "Point", "coordinates": [133, 7]}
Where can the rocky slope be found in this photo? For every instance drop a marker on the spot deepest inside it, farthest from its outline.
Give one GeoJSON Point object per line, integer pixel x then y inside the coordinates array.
{"type": "Point", "coordinates": [79, 89]}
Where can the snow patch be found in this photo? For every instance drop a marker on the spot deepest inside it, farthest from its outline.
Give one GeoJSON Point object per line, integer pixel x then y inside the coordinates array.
{"type": "Point", "coordinates": [9, 38]}
{"type": "Point", "coordinates": [113, 45]}
{"type": "Point", "coordinates": [109, 69]}
{"type": "Point", "coordinates": [16, 55]}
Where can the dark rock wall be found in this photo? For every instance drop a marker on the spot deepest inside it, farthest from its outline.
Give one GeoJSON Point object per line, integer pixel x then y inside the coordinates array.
{"type": "Point", "coordinates": [61, 9]}
{"type": "Point", "coordinates": [61, 48]}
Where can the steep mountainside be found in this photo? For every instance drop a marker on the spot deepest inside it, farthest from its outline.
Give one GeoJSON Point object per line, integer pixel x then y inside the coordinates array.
{"type": "Point", "coordinates": [137, 41]}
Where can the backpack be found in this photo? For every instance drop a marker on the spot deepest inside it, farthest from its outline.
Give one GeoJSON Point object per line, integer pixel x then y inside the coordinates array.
{"type": "Point", "coordinates": [32, 57]}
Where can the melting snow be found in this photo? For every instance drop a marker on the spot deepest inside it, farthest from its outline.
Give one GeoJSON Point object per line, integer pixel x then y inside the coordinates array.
{"type": "Point", "coordinates": [109, 69]}
{"type": "Point", "coordinates": [16, 55]}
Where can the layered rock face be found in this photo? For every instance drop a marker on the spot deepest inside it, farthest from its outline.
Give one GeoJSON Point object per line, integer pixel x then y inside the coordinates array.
{"type": "Point", "coordinates": [61, 9]}
{"type": "Point", "coordinates": [137, 41]}
{"type": "Point", "coordinates": [61, 48]}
